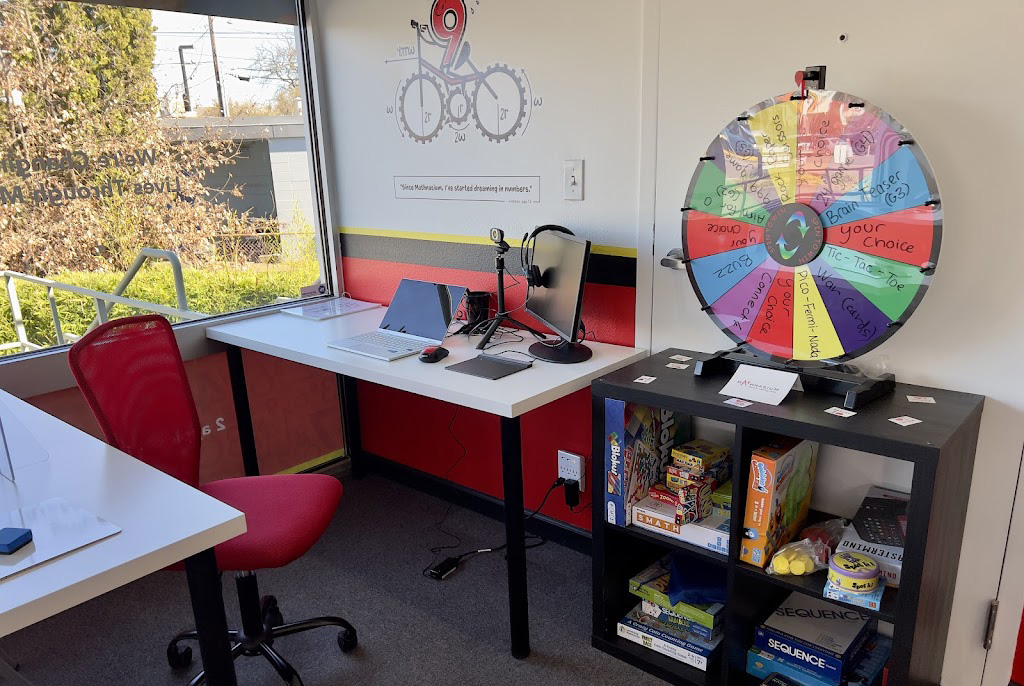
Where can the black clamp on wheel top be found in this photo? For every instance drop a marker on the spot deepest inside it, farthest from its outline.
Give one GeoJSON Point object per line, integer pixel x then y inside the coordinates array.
{"type": "Point", "coordinates": [815, 76]}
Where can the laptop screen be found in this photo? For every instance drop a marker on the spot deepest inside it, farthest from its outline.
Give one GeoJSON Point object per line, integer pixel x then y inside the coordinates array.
{"type": "Point", "coordinates": [423, 309]}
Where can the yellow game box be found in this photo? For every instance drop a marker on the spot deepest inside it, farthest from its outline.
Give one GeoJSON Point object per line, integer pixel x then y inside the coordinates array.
{"type": "Point", "coordinates": [698, 455]}
{"type": "Point", "coordinates": [778, 496]}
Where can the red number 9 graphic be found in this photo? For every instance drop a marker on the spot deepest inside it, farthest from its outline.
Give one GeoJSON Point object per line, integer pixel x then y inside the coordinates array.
{"type": "Point", "coordinates": [448, 24]}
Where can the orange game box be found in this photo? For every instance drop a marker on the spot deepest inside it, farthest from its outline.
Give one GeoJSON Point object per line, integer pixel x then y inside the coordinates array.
{"type": "Point", "coordinates": [778, 496]}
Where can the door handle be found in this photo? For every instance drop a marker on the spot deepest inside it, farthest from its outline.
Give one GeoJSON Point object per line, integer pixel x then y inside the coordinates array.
{"type": "Point", "coordinates": [676, 259]}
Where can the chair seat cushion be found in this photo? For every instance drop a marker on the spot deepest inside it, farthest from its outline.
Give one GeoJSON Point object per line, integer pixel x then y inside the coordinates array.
{"type": "Point", "coordinates": [285, 514]}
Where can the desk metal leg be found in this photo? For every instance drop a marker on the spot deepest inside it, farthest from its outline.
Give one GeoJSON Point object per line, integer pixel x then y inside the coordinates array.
{"type": "Point", "coordinates": [243, 415]}
{"type": "Point", "coordinates": [515, 535]}
{"type": "Point", "coordinates": [211, 623]}
{"type": "Point", "coordinates": [348, 396]}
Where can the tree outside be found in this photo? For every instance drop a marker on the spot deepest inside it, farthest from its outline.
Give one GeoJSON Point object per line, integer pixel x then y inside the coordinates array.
{"type": "Point", "coordinates": [88, 176]}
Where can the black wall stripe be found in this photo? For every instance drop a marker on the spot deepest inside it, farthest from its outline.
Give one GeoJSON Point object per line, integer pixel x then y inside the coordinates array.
{"type": "Point", "coordinates": [611, 270]}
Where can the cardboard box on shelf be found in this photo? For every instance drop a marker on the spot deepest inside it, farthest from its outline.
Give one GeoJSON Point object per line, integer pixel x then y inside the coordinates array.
{"type": "Point", "coordinates": [638, 450]}
{"type": "Point", "coordinates": [778, 496]}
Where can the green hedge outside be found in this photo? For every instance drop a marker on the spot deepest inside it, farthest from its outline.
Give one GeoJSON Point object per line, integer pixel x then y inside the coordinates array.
{"type": "Point", "coordinates": [215, 289]}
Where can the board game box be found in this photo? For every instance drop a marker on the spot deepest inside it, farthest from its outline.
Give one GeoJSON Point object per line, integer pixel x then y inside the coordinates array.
{"type": "Point", "coordinates": [865, 670]}
{"type": "Point", "coordinates": [638, 450]}
{"type": "Point", "coordinates": [872, 600]}
{"type": "Point", "coordinates": [817, 635]}
{"type": "Point", "coordinates": [678, 621]}
{"type": "Point", "coordinates": [721, 500]}
{"type": "Point", "coordinates": [654, 515]}
{"type": "Point", "coordinates": [652, 585]}
{"type": "Point", "coordinates": [889, 557]}
{"type": "Point", "coordinates": [692, 502]}
{"type": "Point", "coordinates": [698, 455]}
{"type": "Point", "coordinates": [778, 496]}
{"type": "Point", "coordinates": [650, 633]}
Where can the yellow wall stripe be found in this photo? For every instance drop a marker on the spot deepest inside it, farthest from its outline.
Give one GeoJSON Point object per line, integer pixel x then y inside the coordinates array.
{"type": "Point", "coordinates": [470, 240]}
{"type": "Point", "coordinates": [314, 463]}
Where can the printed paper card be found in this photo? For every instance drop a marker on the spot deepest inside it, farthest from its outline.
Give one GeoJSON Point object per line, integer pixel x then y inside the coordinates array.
{"type": "Point", "coordinates": [761, 385]}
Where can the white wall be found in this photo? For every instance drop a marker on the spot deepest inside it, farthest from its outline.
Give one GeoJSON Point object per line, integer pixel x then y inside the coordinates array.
{"type": "Point", "coordinates": [950, 73]}
{"type": "Point", "coordinates": [583, 57]}
{"type": "Point", "coordinates": [622, 81]}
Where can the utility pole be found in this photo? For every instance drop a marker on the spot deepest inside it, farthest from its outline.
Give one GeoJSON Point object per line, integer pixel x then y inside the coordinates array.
{"type": "Point", "coordinates": [216, 70]}
{"type": "Point", "coordinates": [184, 75]}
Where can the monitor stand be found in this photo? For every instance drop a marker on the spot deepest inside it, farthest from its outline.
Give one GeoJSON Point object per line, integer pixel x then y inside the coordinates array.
{"type": "Point", "coordinates": [563, 353]}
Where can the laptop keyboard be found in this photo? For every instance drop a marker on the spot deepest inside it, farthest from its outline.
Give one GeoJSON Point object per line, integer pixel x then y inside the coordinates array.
{"type": "Point", "coordinates": [388, 341]}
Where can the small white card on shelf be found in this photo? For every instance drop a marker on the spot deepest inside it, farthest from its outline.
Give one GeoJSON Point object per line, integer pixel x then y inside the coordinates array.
{"type": "Point", "coordinates": [676, 365]}
{"type": "Point", "coordinates": [759, 384]}
{"type": "Point", "coordinates": [645, 379]}
{"type": "Point", "coordinates": [840, 412]}
{"type": "Point", "coordinates": [905, 421]}
{"type": "Point", "coordinates": [921, 399]}
{"type": "Point", "coordinates": [736, 402]}
{"type": "Point", "coordinates": [680, 358]}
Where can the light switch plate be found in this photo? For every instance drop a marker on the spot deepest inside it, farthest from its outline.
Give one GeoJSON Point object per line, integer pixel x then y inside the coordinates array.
{"type": "Point", "coordinates": [572, 180]}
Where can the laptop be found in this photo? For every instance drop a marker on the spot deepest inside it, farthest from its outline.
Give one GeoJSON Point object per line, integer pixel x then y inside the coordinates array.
{"type": "Point", "coordinates": [418, 317]}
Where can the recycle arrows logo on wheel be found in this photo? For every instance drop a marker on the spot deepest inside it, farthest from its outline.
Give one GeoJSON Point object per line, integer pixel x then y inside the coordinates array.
{"type": "Point", "coordinates": [784, 250]}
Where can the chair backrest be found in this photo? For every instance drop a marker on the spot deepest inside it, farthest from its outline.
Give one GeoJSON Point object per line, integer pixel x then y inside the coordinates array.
{"type": "Point", "coordinates": [131, 374]}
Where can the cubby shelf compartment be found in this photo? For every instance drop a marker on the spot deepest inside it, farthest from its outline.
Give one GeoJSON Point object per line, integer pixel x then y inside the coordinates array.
{"type": "Point", "coordinates": [941, 449]}
{"type": "Point", "coordinates": [814, 585]}
{"type": "Point", "coordinates": [656, 538]}
{"type": "Point", "coordinates": [662, 666]}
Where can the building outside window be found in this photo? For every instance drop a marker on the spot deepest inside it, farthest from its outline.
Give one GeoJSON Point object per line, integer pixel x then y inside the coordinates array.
{"type": "Point", "coordinates": [133, 135]}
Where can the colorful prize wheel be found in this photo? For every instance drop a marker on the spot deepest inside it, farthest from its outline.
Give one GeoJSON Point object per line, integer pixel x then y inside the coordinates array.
{"type": "Point", "coordinates": [812, 228]}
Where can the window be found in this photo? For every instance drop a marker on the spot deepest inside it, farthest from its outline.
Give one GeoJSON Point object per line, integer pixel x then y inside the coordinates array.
{"type": "Point", "coordinates": [149, 161]}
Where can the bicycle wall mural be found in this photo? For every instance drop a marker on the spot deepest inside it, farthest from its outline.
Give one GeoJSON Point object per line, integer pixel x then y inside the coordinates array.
{"type": "Point", "coordinates": [448, 89]}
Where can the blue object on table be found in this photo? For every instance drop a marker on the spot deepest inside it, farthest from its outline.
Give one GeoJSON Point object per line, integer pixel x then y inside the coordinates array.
{"type": "Point", "coordinates": [695, 581]}
{"type": "Point", "coordinates": [12, 540]}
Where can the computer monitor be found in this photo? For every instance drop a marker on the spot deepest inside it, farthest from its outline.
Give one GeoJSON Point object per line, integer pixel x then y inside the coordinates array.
{"type": "Point", "coordinates": [559, 267]}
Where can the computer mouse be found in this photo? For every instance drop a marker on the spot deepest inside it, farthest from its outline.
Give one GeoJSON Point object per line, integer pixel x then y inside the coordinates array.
{"type": "Point", "coordinates": [433, 354]}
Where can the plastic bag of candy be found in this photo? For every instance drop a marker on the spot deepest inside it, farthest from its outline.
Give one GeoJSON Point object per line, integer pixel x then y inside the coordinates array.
{"type": "Point", "coordinates": [829, 532]}
{"type": "Point", "coordinates": [799, 558]}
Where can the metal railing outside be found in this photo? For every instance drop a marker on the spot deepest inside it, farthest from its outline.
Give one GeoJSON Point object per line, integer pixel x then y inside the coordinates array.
{"type": "Point", "coordinates": [103, 301]}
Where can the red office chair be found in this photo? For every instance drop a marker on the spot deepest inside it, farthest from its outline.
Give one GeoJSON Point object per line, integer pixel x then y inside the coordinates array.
{"type": "Point", "coordinates": [132, 376]}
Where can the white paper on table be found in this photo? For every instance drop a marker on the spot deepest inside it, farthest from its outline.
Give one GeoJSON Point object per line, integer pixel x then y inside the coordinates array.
{"type": "Point", "coordinates": [58, 527]}
{"type": "Point", "coordinates": [759, 384]}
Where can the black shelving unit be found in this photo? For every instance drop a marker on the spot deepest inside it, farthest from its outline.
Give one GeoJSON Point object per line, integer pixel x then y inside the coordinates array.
{"type": "Point", "coordinates": [941, 449]}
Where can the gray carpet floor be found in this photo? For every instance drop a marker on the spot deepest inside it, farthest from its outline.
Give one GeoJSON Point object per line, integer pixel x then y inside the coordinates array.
{"type": "Point", "coordinates": [366, 568]}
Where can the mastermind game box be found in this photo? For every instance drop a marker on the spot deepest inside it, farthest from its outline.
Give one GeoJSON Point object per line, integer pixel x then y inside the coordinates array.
{"type": "Point", "coordinates": [778, 496]}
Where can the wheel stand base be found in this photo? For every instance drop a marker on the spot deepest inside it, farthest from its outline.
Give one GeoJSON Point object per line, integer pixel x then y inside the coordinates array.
{"type": "Point", "coordinates": [857, 389]}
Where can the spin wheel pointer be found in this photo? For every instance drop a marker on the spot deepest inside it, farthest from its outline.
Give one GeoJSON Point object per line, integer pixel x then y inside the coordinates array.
{"type": "Point", "coordinates": [812, 228]}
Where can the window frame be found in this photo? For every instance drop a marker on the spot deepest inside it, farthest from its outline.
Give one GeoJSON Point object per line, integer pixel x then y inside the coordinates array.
{"type": "Point", "coordinates": [37, 372]}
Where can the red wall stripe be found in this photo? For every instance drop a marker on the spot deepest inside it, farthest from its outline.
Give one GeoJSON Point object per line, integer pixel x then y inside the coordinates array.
{"type": "Point", "coordinates": [413, 430]}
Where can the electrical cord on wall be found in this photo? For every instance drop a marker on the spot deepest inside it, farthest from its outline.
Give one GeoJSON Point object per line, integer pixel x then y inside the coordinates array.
{"type": "Point", "coordinates": [437, 550]}
{"type": "Point", "coordinates": [441, 570]}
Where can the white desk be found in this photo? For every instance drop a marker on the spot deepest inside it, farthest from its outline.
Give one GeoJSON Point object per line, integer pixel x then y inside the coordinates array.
{"type": "Point", "coordinates": [162, 520]}
{"type": "Point", "coordinates": [305, 342]}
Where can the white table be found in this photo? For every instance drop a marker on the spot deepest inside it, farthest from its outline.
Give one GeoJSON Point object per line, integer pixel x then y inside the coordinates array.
{"type": "Point", "coordinates": [162, 520]}
{"type": "Point", "coordinates": [305, 341]}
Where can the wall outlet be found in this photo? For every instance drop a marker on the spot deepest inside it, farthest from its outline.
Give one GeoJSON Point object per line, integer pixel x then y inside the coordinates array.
{"type": "Point", "coordinates": [570, 466]}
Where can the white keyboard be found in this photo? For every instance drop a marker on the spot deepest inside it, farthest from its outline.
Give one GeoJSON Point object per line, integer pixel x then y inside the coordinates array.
{"type": "Point", "coordinates": [387, 341]}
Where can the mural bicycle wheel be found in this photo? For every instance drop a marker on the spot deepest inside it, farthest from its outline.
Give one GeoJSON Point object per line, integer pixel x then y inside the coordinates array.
{"type": "Point", "coordinates": [812, 228]}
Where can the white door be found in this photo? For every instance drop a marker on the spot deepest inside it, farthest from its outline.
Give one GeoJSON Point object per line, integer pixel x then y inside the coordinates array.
{"type": "Point", "coordinates": [950, 74]}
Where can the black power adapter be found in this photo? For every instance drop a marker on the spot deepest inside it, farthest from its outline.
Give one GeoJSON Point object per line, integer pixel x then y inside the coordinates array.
{"type": "Point", "coordinates": [443, 568]}
{"type": "Point", "coordinates": [572, 493]}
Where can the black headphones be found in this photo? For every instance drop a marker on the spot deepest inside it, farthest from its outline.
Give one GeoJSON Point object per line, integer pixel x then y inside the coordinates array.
{"type": "Point", "coordinates": [533, 276]}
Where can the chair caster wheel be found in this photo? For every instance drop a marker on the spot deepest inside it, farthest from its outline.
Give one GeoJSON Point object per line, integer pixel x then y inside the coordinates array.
{"type": "Point", "coordinates": [347, 640]}
{"type": "Point", "coordinates": [270, 612]}
{"type": "Point", "coordinates": [179, 658]}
